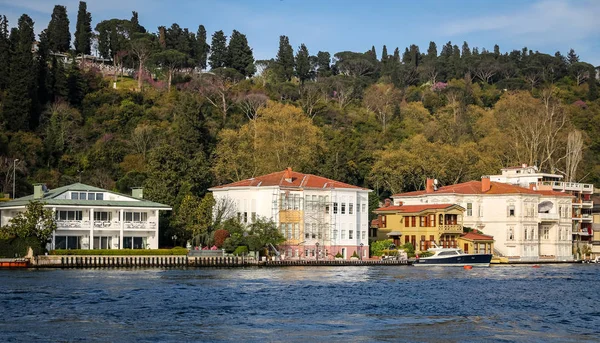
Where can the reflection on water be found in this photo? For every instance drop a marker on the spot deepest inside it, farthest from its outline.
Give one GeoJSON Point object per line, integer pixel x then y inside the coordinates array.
{"type": "Point", "coordinates": [554, 303]}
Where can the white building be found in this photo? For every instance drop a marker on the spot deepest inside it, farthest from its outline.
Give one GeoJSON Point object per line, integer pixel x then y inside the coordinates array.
{"type": "Point", "coordinates": [527, 224]}
{"type": "Point", "coordinates": [93, 218]}
{"type": "Point", "coordinates": [319, 217]}
{"type": "Point", "coordinates": [582, 204]}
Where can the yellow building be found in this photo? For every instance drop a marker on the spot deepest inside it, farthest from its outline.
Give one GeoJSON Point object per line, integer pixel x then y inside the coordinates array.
{"type": "Point", "coordinates": [476, 243]}
{"type": "Point", "coordinates": [421, 225]}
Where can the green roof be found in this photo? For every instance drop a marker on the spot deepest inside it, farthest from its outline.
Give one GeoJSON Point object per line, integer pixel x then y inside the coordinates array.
{"type": "Point", "coordinates": [49, 197]}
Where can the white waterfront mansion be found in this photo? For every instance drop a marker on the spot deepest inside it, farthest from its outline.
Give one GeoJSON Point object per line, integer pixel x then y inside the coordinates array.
{"type": "Point", "coordinates": [88, 217]}
{"type": "Point", "coordinates": [528, 224]}
{"type": "Point", "coordinates": [319, 217]}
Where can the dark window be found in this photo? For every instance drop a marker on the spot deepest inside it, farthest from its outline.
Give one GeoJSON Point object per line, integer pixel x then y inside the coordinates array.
{"type": "Point", "coordinates": [74, 196]}
{"type": "Point", "coordinates": [99, 196]}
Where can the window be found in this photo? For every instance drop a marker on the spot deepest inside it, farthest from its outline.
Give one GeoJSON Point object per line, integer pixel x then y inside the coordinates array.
{"type": "Point", "coordinates": [406, 221]}
{"type": "Point", "coordinates": [364, 208]}
{"type": "Point", "coordinates": [134, 242]}
{"type": "Point", "coordinates": [469, 209]}
{"type": "Point", "coordinates": [306, 230]}
{"type": "Point", "coordinates": [480, 210]}
{"type": "Point", "coordinates": [91, 196]}
{"type": "Point", "coordinates": [511, 234]}
{"type": "Point", "coordinates": [313, 232]}
{"type": "Point", "coordinates": [319, 233]}
{"type": "Point", "coordinates": [511, 210]}
{"type": "Point", "coordinates": [245, 217]}
{"type": "Point", "coordinates": [343, 234]}
{"type": "Point", "coordinates": [74, 196]}
{"type": "Point", "coordinates": [296, 231]}
{"type": "Point", "coordinates": [143, 216]}
{"type": "Point", "coordinates": [69, 215]}
{"type": "Point", "coordinates": [67, 242]}
{"type": "Point", "coordinates": [343, 208]}
{"type": "Point", "coordinates": [99, 196]}
{"type": "Point", "coordinates": [82, 196]}
{"type": "Point", "coordinates": [335, 208]}
{"type": "Point", "coordinates": [335, 234]}
{"type": "Point", "coordinates": [350, 234]}
{"type": "Point", "coordinates": [102, 242]}
{"type": "Point", "coordinates": [363, 236]}
{"type": "Point", "coordinates": [422, 221]}
{"type": "Point", "coordinates": [296, 201]}
{"type": "Point", "coordinates": [104, 216]}
{"type": "Point", "coordinates": [432, 220]}
{"type": "Point", "coordinates": [413, 220]}
{"type": "Point", "coordinates": [350, 208]}
{"type": "Point", "coordinates": [253, 216]}
{"type": "Point", "coordinates": [546, 233]}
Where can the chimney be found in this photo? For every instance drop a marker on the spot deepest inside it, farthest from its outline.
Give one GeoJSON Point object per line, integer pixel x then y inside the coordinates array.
{"type": "Point", "coordinates": [288, 174]}
{"type": "Point", "coordinates": [524, 165]}
{"type": "Point", "coordinates": [485, 184]}
{"type": "Point", "coordinates": [387, 203]}
{"type": "Point", "coordinates": [38, 192]}
{"type": "Point", "coordinates": [429, 188]}
{"type": "Point", "coordinates": [137, 192]}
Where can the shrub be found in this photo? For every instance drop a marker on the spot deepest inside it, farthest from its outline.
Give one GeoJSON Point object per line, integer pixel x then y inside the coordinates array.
{"type": "Point", "coordinates": [220, 236]}
{"type": "Point", "coordinates": [241, 250]}
{"type": "Point", "coordinates": [121, 252]}
{"type": "Point", "coordinates": [377, 247]}
{"type": "Point", "coordinates": [354, 254]}
{"type": "Point", "coordinates": [17, 247]}
{"type": "Point", "coordinates": [338, 255]}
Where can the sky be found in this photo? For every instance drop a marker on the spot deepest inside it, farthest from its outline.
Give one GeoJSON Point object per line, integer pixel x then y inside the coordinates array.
{"type": "Point", "coordinates": [340, 25]}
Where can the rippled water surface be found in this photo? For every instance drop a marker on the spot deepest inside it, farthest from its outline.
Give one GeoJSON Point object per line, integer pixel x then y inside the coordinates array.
{"type": "Point", "coordinates": [554, 303]}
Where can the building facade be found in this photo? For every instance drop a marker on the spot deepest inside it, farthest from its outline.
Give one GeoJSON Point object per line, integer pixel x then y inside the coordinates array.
{"type": "Point", "coordinates": [582, 204]}
{"type": "Point", "coordinates": [424, 226]}
{"type": "Point", "coordinates": [319, 217]}
{"type": "Point", "coordinates": [526, 224]}
{"type": "Point", "coordinates": [88, 217]}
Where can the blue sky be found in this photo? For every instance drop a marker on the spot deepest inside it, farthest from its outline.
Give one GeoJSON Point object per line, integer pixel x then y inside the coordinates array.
{"type": "Point", "coordinates": [336, 25]}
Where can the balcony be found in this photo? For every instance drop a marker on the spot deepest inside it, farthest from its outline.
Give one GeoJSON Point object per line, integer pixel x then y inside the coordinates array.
{"type": "Point", "coordinates": [452, 228]}
{"type": "Point", "coordinates": [545, 217]}
{"type": "Point", "coordinates": [104, 225]}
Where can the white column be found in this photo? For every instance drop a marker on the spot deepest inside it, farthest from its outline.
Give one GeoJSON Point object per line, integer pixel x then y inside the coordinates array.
{"type": "Point", "coordinates": [155, 245]}
{"type": "Point", "coordinates": [91, 246]}
{"type": "Point", "coordinates": [53, 244]}
{"type": "Point", "coordinates": [122, 222]}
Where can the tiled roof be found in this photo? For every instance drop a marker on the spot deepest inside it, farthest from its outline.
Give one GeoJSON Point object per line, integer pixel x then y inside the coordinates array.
{"type": "Point", "coordinates": [554, 193]}
{"type": "Point", "coordinates": [476, 236]}
{"type": "Point", "coordinates": [50, 198]}
{"type": "Point", "coordinates": [474, 187]}
{"type": "Point", "coordinates": [297, 180]}
{"type": "Point", "coordinates": [415, 208]}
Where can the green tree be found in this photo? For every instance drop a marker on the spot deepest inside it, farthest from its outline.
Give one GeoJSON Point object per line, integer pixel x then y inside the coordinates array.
{"type": "Point", "coordinates": [202, 47]}
{"type": "Point", "coordinates": [303, 68]}
{"type": "Point", "coordinates": [323, 64]}
{"type": "Point", "coordinates": [572, 57]}
{"type": "Point", "coordinates": [218, 55]}
{"type": "Point", "coordinates": [135, 24]}
{"type": "Point", "coordinates": [284, 63]}
{"type": "Point", "coordinates": [169, 61]}
{"type": "Point", "coordinates": [36, 221]}
{"type": "Point", "coordinates": [59, 36]}
{"type": "Point", "coordinates": [5, 50]}
{"type": "Point", "coordinates": [142, 47]}
{"type": "Point", "coordinates": [240, 55]}
{"type": "Point", "coordinates": [83, 30]}
{"type": "Point", "coordinates": [263, 232]}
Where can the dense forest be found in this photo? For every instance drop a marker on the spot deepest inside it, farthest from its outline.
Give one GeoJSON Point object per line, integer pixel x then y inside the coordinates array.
{"type": "Point", "coordinates": [178, 111]}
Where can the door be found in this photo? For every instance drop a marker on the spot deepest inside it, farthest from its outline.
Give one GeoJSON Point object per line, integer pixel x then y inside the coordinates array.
{"type": "Point", "coordinates": [466, 248]}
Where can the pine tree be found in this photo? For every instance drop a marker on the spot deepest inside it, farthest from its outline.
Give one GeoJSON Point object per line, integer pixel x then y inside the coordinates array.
{"type": "Point", "coordinates": [323, 61]}
{"type": "Point", "coordinates": [572, 57]}
{"type": "Point", "coordinates": [303, 70]}
{"type": "Point", "coordinates": [496, 50]}
{"type": "Point", "coordinates": [202, 48]}
{"type": "Point", "coordinates": [218, 55]}
{"type": "Point", "coordinates": [432, 51]}
{"type": "Point", "coordinates": [466, 52]}
{"type": "Point", "coordinates": [396, 57]}
{"type": "Point", "coordinates": [285, 59]}
{"type": "Point", "coordinates": [135, 24]}
{"type": "Point", "coordinates": [83, 31]}
{"type": "Point", "coordinates": [21, 95]}
{"type": "Point", "coordinates": [4, 53]}
{"type": "Point", "coordinates": [240, 55]}
{"type": "Point", "coordinates": [59, 37]}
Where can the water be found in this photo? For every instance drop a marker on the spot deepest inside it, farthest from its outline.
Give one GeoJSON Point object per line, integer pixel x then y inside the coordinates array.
{"type": "Point", "coordinates": [555, 303]}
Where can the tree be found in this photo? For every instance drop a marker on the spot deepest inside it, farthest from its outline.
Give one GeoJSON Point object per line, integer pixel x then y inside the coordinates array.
{"type": "Point", "coordinates": [303, 68]}
{"type": "Point", "coordinates": [83, 30]}
{"type": "Point", "coordinates": [135, 24]}
{"type": "Point", "coordinates": [59, 36]}
{"type": "Point", "coordinates": [218, 55]}
{"type": "Point", "coordinates": [285, 59]}
{"type": "Point", "coordinates": [572, 57]}
{"type": "Point", "coordinates": [574, 155]}
{"type": "Point", "coordinates": [380, 98]}
{"type": "Point", "coordinates": [240, 54]}
{"type": "Point", "coordinates": [5, 50]}
{"type": "Point", "coordinates": [36, 221]}
{"type": "Point", "coordinates": [202, 48]}
{"type": "Point", "coordinates": [262, 233]}
{"type": "Point", "coordinates": [169, 61]}
{"type": "Point", "coordinates": [323, 64]}
{"type": "Point", "coordinates": [142, 47]}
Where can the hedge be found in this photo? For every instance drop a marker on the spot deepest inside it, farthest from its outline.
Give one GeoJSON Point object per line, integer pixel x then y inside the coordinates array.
{"type": "Point", "coordinates": [121, 252]}
{"type": "Point", "coordinates": [17, 247]}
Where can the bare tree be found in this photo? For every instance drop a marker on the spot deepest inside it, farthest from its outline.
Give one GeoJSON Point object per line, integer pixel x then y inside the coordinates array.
{"type": "Point", "coordinates": [312, 98]}
{"type": "Point", "coordinates": [143, 139]}
{"type": "Point", "coordinates": [141, 47]}
{"type": "Point", "coordinates": [250, 103]}
{"type": "Point", "coordinates": [216, 90]}
{"type": "Point", "coordinates": [380, 98]}
{"type": "Point", "coordinates": [574, 154]}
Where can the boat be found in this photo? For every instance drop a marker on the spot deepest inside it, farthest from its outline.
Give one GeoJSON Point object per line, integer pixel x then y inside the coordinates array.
{"type": "Point", "coordinates": [453, 257]}
{"type": "Point", "coordinates": [6, 263]}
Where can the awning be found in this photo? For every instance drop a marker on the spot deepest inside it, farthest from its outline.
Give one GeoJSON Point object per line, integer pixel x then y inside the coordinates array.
{"type": "Point", "coordinates": [394, 233]}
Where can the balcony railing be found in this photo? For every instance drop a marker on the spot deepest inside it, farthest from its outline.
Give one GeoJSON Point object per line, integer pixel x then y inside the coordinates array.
{"type": "Point", "coordinates": [72, 224]}
{"type": "Point", "coordinates": [140, 225]}
{"type": "Point", "coordinates": [104, 225]}
{"type": "Point", "coordinates": [548, 216]}
{"type": "Point", "coordinates": [569, 186]}
{"type": "Point", "coordinates": [452, 228]}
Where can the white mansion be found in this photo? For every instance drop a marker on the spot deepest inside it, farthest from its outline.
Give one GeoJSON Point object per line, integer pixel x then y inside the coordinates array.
{"type": "Point", "coordinates": [94, 218]}
{"type": "Point", "coordinates": [318, 217]}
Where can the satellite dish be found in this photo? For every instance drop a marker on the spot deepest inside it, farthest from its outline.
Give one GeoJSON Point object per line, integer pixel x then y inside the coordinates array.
{"type": "Point", "coordinates": [545, 206]}
{"type": "Point", "coordinates": [435, 181]}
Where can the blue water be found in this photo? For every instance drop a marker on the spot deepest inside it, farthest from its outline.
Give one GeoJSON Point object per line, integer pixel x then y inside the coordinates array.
{"type": "Point", "coordinates": [554, 303]}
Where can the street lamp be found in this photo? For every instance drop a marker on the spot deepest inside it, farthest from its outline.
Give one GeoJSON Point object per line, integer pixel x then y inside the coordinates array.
{"type": "Point", "coordinates": [317, 245]}
{"type": "Point", "coordinates": [360, 251]}
{"type": "Point", "coordinates": [174, 237]}
{"type": "Point", "coordinates": [14, 174]}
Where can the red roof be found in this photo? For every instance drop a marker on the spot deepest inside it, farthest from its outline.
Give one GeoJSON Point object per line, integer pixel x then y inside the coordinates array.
{"type": "Point", "coordinates": [415, 208]}
{"type": "Point", "coordinates": [474, 187]}
{"type": "Point", "coordinates": [476, 236]}
{"type": "Point", "coordinates": [297, 180]}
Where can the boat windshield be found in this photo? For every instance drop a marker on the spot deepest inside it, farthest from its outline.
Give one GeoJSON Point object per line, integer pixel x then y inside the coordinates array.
{"type": "Point", "coordinates": [460, 251]}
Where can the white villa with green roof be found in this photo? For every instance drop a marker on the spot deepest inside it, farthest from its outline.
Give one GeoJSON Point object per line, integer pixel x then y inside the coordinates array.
{"type": "Point", "coordinates": [88, 217]}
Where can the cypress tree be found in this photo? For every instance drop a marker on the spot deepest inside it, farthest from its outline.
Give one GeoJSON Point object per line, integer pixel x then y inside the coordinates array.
{"type": "Point", "coordinates": [285, 59]}
{"type": "Point", "coordinates": [240, 54]}
{"type": "Point", "coordinates": [83, 30]}
{"type": "Point", "coordinates": [21, 96]}
{"type": "Point", "coordinates": [592, 86]}
{"type": "Point", "coordinates": [4, 53]}
{"type": "Point", "coordinates": [135, 24]}
{"type": "Point", "coordinates": [466, 52]}
{"type": "Point", "coordinates": [572, 57]}
{"type": "Point", "coordinates": [303, 64]}
{"type": "Point", "coordinates": [42, 69]}
{"type": "Point", "coordinates": [59, 37]}
{"type": "Point", "coordinates": [218, 55]}
{"type": "Point", "coordinates": [384, 54]}
{"type": "Point", "coordinates": [202, 48]}
{"type": "Point", "coordinates": [76, 86]}
{"type": "Point", "coordinates": [323, 60]}
{"type": "Point", "coordinates": [396, 57]}
{"type": "Point", "coordinates": [432, 51]}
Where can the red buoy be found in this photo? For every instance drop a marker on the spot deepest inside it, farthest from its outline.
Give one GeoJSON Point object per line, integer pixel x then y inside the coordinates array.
{"type": "Point", "coordinates": [468, 267]}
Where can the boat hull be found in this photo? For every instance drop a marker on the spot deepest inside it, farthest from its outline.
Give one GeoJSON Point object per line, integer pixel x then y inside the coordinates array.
{"type": "Point", "coordinates": [478, 260]}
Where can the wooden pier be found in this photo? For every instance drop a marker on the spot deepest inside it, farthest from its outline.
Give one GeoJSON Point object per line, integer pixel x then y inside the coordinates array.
{"type": "Point", "coordinates": [190, 261]}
